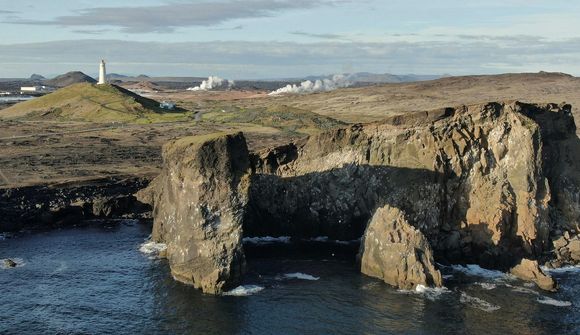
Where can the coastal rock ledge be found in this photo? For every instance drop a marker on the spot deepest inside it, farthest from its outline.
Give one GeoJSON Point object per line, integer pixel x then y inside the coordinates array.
{"type": "Point", "coordinates": [492, 184]}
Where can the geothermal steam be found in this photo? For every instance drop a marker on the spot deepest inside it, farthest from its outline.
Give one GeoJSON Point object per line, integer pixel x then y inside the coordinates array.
{"type": "Point", "coordinates": [212, 83]}
{"type": "Point", "coordinates": [320, 85]}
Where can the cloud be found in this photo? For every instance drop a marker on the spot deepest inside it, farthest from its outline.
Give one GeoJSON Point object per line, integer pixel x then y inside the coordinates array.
{"type": "Point", "coordinates": [320, 36]}
{"type": "Point", "coordinates": [91, 31]}
{"type": "Point", "coordinates": [271, 59]}
{"type": "Point", "coordinates": [167, 17]}
{"type": "Point", "coordinates": [238, 27]}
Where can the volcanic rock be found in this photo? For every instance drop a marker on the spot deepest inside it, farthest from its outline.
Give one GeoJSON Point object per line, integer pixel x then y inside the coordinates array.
{"type": "Point", "coordinates": [529, 270]}
{"type": "Point", "coordinates": [396, 252]}
{"type": "Point", "coordinates": [481, 184]}
{"type": "Point", "coordinates": [199, 200]}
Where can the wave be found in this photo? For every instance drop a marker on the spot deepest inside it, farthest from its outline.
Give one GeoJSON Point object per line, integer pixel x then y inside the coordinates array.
{"type": "Point", "coordinates": [431, 293]}
{"type": "Point", "coordinates": [266, 240]}
{"type": "Point", "coordinates": [478, 303]}
{"type": "Point", "coordinates": [326, 239]}
{"type": "Point", "coordinates": [478, 271]}
{"type": "Point", "coordinates": [300, 275]}
{"type": "Point", "coordinates": [526, 290]}
{"type": "Point", "coordinates": [564, 269]}
{"type": "Point", "coordinates": [487, 286]}
{"type": "Point", "coordinates": [549, 301]}
{"type": "Point", "coordinates": [244, 290]}
{"type": "Point", "coordinates": [152, 248]}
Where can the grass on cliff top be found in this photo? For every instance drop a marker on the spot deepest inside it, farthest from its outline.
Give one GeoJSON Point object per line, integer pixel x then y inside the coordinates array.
{"type": "Point", "coordinates": [93, 103]}
{"type": "Point", "coordinates": [284, 118]}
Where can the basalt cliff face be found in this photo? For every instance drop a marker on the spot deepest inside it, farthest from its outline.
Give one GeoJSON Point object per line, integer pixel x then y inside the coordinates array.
{"type": "Point", "coordinates": [491, 184]}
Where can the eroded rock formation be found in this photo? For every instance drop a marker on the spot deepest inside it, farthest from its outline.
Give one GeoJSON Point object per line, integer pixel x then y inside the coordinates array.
{"type": "Point", "coordinates": [396, 252]}
{"type": "Point", "coordinates": [489, 184]}
{"type": "Point", "coordinates": [199, 200]}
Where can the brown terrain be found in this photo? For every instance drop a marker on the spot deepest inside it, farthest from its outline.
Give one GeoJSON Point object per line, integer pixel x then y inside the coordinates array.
{"type": "Point", "coordinates": [38, 151]}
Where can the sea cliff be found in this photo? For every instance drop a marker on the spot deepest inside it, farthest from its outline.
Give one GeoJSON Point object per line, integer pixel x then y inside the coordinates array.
{"type": "Point", "coordinates": [496, 184]}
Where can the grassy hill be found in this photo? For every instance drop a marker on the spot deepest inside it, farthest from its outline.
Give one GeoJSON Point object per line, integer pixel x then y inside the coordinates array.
{"type": "Point", "coordinates": [94, 103]}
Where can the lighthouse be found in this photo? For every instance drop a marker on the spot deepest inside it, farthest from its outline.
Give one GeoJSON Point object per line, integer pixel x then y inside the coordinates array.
{"type": "Point", "coordinates": [102, 73]}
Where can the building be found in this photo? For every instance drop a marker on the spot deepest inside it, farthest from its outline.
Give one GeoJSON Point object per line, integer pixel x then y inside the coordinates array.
{"type": "Point", "coordinates": [169, 105]}
{"type": "Point", "coordinates": [102, 73]}
{"type": "Point", "coordinates": [31, 89]}
{"type": "Point", "coordinates": [36, 89]}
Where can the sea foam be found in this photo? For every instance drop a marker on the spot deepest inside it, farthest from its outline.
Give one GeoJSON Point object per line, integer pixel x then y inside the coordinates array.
{"type": "Point", "coordinates": [244, 290]}
{"type": "Point", "coordinates": [431, 293]}
{"type": "Point", "coordinates": [152, 248]}
{"type": "Point", "coordinates": [487, 286]}
{"type": "Point", "coordinates": [564, 269]}
{"type": "Point", "coordinates": [326, 239]}
{"type": "Point", "coordinates": [478, 271]}
{"type": "Point", "coordinates": [549, 301]}
{"type": "Point", "coordinates": [300, 275]}
{"type": "Point", "coordinates": [266, 240]}
{"type": "Point", "coordinates": [478, 303]}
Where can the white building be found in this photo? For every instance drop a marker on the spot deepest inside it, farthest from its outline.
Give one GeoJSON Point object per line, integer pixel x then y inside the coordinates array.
{"type": "Point", "coordinates": [36, 89]}
{"type": "Point", "coordinates": [31, 89]}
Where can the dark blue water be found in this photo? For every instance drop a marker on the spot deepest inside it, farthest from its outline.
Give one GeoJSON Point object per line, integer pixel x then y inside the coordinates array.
{"type": "Point", "coordinates": [94, 280]}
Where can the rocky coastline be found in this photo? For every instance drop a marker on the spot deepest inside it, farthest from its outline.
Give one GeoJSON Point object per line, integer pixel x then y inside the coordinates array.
{"type": "Point", "coordinates": [495, 184]}
{"type": "Point", "coordinates": [54, 205]}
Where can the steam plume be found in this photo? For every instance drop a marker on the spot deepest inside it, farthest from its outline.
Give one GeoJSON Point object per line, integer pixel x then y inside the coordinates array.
{"type": "Point", "coordinates": [213, 82]}
{"type": "Point", "coordinates": [320, 85]}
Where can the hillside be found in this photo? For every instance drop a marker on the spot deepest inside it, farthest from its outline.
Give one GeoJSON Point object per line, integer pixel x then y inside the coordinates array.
{"type": "Point", "coordinates": [69, 78]}
{"type": "Point", "coordinates": [380, 101]}
{"type": "Point", "coordinates": [88, 102]}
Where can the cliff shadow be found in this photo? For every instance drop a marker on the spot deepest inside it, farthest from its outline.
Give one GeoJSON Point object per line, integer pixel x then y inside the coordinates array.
{"type": "Point", "coordinates": [337, 204]}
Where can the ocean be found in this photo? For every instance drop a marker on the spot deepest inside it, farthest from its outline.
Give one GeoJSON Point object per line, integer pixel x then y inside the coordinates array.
{"type": "Point", "coordinates": [105, 279]}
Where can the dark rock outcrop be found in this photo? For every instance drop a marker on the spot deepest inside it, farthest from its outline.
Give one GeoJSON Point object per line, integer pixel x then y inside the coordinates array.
{"type": "Point", "coordinates": [198, 203]}
{"type": "Point", "coordinates": [487, 184]}
{"type": "Point", "coordinates": [43, 206]}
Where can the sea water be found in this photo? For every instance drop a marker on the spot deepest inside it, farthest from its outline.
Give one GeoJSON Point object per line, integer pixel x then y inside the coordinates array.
{"type": "Point", "coordinates": [106, 279]}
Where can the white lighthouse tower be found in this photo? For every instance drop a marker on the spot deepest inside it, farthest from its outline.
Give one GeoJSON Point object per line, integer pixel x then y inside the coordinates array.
{"type": "Point", "coordinates": [102, 73]}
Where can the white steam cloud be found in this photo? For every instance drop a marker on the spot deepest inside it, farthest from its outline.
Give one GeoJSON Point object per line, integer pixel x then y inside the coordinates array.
{"type": "Point", "coordinates": [212, 83]}
{"type": "Point", "coordinates": [320, 85]}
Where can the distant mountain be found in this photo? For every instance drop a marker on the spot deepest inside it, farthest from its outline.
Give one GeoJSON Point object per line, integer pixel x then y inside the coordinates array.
{"type": "Point", "coordinates": [36, 77]}
{"type": "Point", "coordinates": [375, 78]}
{"type": "Point", "coordinates": [368, 77]}
{"type": "Point", "coordinates": [112, 76]}
{"type": "Point", "coordinates": [70, 78]}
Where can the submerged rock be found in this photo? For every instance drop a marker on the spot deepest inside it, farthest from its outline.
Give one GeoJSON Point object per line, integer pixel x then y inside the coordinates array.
{"type": "Point", "coordinates": [8, 263]}
{"type": "Point", "coordinates": [396, 252]}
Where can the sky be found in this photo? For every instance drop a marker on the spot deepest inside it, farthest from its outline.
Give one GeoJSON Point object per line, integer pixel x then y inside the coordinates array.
{"type": "Point", "coordinates": [259, 39]}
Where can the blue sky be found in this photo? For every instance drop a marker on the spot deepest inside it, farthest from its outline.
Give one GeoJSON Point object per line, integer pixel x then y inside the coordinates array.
{"type": "Point", "coordinates": [289, 38]}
